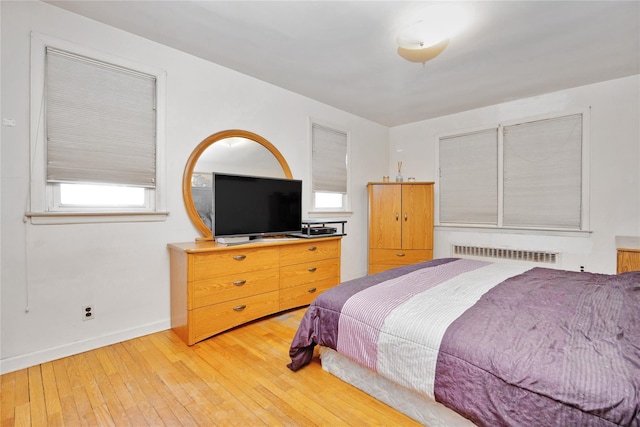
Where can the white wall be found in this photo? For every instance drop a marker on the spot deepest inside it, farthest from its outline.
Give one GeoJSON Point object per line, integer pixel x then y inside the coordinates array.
{"type": "Point", "coordinates": [0, 192]}
{"type": "Point", "coordinates": [50, 271]}
{"type": "Point", "coordinates": [614, 168]}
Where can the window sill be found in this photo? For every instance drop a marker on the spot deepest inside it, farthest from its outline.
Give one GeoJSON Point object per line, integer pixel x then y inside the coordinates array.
{"type": "Point", "coordinates": [323, 214]}
{"type": "Point", "coordinates": [503, 230]}
{"type": "Point", "coordinates": [52, 218]}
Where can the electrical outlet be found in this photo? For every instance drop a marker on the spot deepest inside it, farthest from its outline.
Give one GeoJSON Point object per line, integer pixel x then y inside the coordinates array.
{"type": "Point", "coordinates": [87, 312]}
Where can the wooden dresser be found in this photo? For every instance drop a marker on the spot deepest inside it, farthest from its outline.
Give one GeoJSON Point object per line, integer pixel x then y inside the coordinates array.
{"type": "Point", "coordinates": [400, 224]}
{"type": "Point", "coordinates": [216, 287]}
{"type": "Point", "coordinates": [628, 254]}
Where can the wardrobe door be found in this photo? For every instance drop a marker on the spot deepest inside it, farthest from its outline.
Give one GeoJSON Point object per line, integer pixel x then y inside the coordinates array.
{"type": "Point", "coordinates": [385, 225]}
{"type": "Point", "coordinates": [417, 216]}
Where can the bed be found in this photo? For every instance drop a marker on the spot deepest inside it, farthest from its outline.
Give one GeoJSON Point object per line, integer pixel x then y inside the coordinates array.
{"type": "Point", "coordinates": [467, 342]}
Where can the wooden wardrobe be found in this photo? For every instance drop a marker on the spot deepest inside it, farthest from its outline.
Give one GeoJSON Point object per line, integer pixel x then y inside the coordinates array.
{"type": "Point", "coordinates": [400, 224]}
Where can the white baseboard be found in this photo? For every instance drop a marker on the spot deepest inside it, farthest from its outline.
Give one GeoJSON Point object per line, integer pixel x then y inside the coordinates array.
{"type": "Point", "coordinates": [23, 361]}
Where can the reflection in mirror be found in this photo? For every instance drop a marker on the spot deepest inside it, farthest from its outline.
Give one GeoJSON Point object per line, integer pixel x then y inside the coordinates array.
{"type": "Point", "coordinates": [239, 156]}
{"type": "Point", "coordinates": [235, 155]}
{"type": "Point", "coordinates": [235, 152]}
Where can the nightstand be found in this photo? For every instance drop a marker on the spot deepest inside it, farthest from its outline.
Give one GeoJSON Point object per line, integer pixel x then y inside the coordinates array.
{"type": "Point", "coordinates": [628, 253]}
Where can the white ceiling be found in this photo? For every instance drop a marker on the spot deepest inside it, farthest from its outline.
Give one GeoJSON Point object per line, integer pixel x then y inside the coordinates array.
{"type": "Point", "coordinates": [343, 53]}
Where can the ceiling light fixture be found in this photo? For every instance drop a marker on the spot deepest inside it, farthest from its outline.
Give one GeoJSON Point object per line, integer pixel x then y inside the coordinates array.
{"type": "Point", "coordinates": [427, 38]}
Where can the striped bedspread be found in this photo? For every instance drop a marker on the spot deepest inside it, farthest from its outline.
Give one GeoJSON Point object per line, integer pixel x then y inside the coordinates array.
{"type": "Point", "coordinates": [500, 344]}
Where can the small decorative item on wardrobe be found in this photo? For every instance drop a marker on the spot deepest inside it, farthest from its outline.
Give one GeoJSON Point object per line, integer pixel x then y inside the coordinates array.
{"type": "Point", "coordinates": [399, 176]}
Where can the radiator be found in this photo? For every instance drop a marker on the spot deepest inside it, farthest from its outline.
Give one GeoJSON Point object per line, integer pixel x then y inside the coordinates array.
{"type": "Point", "coordinates": [548, 259]}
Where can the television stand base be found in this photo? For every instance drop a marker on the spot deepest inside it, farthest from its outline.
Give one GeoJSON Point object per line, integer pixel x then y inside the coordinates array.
{"type": "Point", "coordinates": [233, 240]}
{"type": "Point", "coordinates": [273, 239]}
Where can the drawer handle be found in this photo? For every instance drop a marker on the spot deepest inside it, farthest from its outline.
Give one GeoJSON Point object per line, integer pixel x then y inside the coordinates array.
{"type": "Point", "coordinates": [406, 217]}
{"type": "Point", "coordinates": [239, 307]}
{"type": "Point", "coordinates": [239, 257]}
{"type": "Point", "coordinates": [312, 248]}
{"type": "Point", "coordinates": [312, 269]}
{"type": "Point", "coordinates": [312, 290]}
{"type": "Point", "coordinates": [400, 254]}
{"type": "Point", "coordinates": [239, 282]}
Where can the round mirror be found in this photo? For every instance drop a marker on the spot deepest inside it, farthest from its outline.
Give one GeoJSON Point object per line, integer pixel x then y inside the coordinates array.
{"type": "Point", "coordinates": [233, 151]}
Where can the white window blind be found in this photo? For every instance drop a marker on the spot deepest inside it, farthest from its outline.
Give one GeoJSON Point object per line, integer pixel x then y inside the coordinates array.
{"type": "Point", "coordinates": [329, 160]}
{"type": "Point", "coordinates": [527, 175]}
{"type": "Point", "coordinates": [469, 178]}
{"type": "Point", "coordinates": [542, 173]}
{"type": "Point", "coordinates": [100, 121]}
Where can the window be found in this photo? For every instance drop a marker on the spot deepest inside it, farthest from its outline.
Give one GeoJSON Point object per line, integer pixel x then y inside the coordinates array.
{"type": "Point", "coordinates": [329, 168]}
{"type": "Point", "coordinates": [98, 132]}
{"type": "Point", "coordinates": [469, 177]}
{"type": "Point", "coordinates": [526, 175]}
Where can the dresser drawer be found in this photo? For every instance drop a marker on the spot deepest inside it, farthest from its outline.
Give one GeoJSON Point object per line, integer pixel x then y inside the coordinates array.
{"type": "Point", "coordinates": [298, 296]}
{"type": "Point", "coordinates": [294, 275]}
{"type": "Point", "coordinates": [309, 251]}
{"type": "Point", "coordinates": [233, 286]}
{"type": "Point", "coordinates": [399, 256]}
{"type": "Point", "coordinates": [212, 319]}
{"type": "Point", "coordinates": [222, 263]}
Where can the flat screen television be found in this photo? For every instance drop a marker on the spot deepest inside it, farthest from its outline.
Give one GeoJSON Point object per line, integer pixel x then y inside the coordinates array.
{"type": "Point", "coordinates": [255, 206]}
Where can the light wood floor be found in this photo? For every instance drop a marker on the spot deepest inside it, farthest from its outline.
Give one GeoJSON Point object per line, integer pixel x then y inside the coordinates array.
{"type": "Point", "coordinates": [235, 378]}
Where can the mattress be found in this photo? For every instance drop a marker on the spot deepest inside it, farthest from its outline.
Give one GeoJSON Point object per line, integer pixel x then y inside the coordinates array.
{"type": "Point", "coordinates": [421, 408]}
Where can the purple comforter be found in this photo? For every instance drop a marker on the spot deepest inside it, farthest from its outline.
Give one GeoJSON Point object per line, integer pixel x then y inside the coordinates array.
{"type": "Point", "coordinates": [545, 347]}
